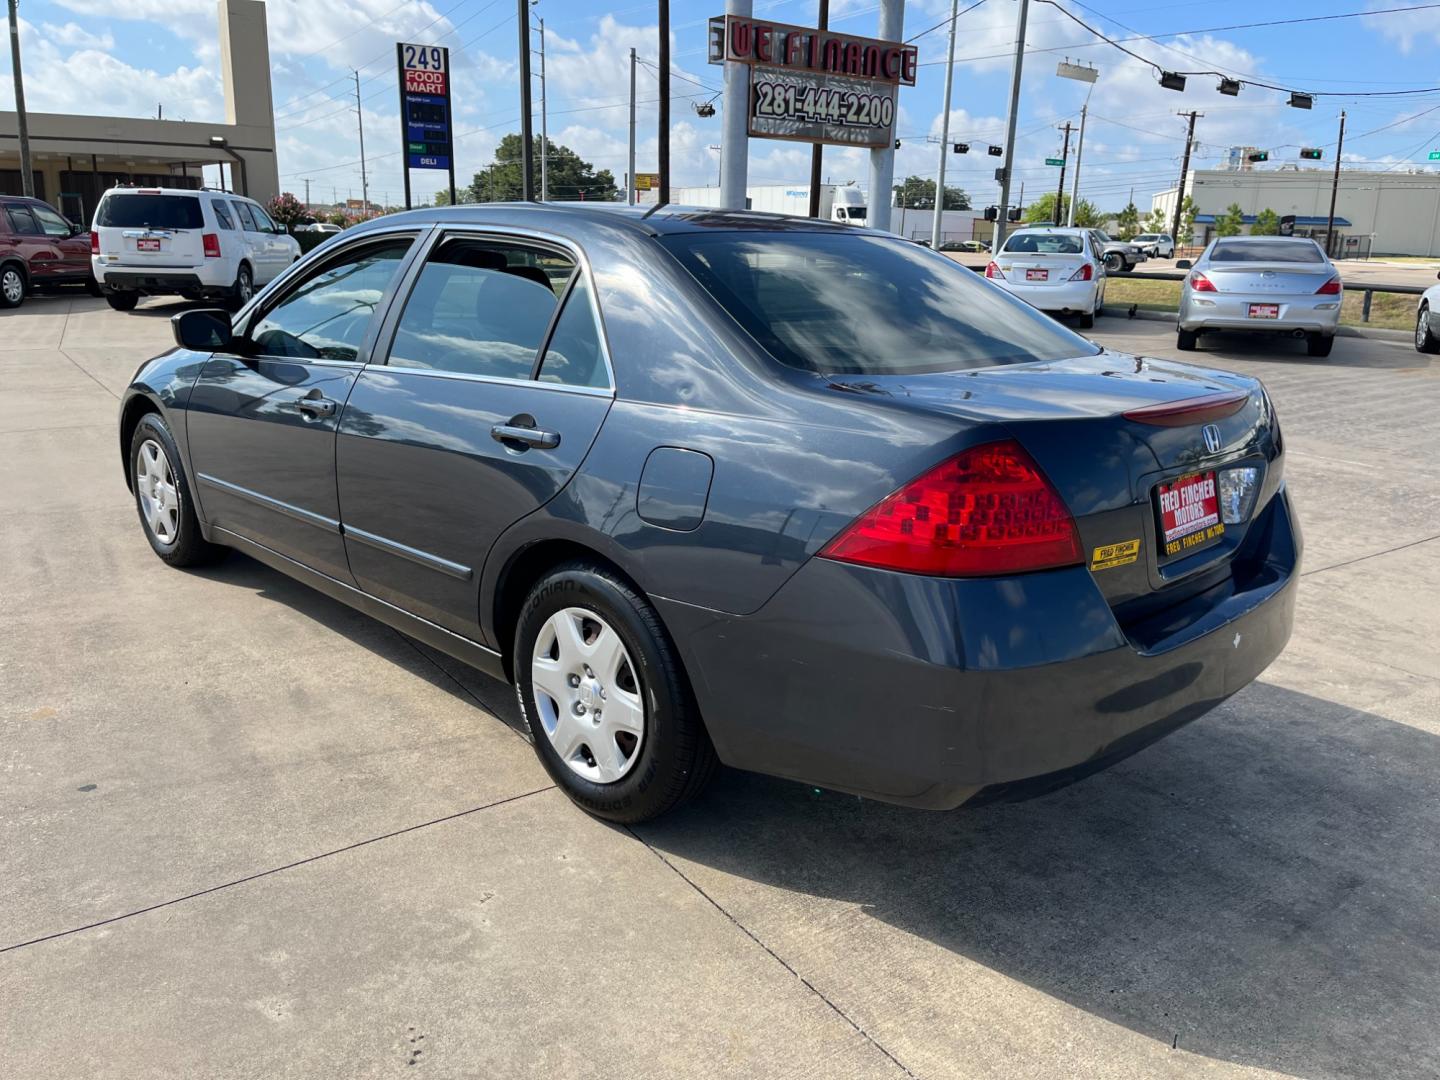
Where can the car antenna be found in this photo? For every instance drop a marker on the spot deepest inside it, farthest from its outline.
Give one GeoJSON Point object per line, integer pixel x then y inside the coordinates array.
{"type": "Point", "coordinates": [652, 210]}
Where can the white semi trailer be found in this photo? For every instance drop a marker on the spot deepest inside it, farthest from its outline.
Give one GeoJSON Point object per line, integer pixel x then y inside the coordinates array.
{"type": "Point", "coordinates": [838, 202]}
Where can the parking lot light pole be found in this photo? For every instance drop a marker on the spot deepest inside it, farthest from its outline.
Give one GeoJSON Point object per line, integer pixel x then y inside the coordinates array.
{"type": "Point", "coordinates": [1086, 74]}
{"type": "Point", "coordinates": [939, 220]}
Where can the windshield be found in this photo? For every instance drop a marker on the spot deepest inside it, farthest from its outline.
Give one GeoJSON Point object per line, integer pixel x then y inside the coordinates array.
{"type": "Point", "coordinates": [862, 305]}
{"type": "Point", "coordinates": [156, 211]}
{"type": "Point", "coordinates": [1023, 243]}
{"type": "Point", "coordinates": [1148, 236]}
{"type": "Point", "coordinates": [855, 213]}
{"type": "Point", "coordinates": [1266, 251]}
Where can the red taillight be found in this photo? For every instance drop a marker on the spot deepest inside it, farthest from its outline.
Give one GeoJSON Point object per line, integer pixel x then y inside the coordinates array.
{"type": "Point", "coordinates": [988, 510]}
{"type": "Point", "coordinates": [1195, 410]}
{"type": "Point", "coordinates": [1200, 283]}
{"type": "Point", "coordinates": [212, 245]}
{"type": "Point", "coordinates": [94, 242]}
{"type": "Point", "coordinates": [993, 271]}
{"type": "Point", "coordinates": [1085, 273]}
{"type": "Point", "coordinates": [1330, 288]}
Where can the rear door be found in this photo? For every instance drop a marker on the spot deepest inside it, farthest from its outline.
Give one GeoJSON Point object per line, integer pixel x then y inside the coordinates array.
{"type": "Point", "coordinates": [261, 419]}
{"type": "Point", "coordinates": [251, 242]}
{"type": "Point", "coordinates": [151, 230]}
{"type": "Point", "coordinates": [270, 240]}
{"type": "Point", "coordinates": [462, 432]}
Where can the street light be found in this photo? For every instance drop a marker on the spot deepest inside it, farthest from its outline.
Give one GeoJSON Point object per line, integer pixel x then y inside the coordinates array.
{"type": "Point", "coordinates": [1088, 75]}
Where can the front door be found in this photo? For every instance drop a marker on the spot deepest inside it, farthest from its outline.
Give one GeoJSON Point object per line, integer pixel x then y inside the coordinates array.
{"type": "Point", "coordinates": [31, 244]}
{"type": "Point", "coordinates": [462, 432]}
{"type": "Point", "coordinates": [261, 419]}
{"type": "Point", "coordinates": [72, 250]}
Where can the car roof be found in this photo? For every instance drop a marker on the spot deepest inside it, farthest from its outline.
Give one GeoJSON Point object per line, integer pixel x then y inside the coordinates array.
{"type": "Point", "coordinates": [1065, 230]}
{"type": "Point", "coordinates": [1264, 239]}
{"type": "Point", "coordinates": [133, 189]}
{"type": "Point", "coordinates": [570, 218]}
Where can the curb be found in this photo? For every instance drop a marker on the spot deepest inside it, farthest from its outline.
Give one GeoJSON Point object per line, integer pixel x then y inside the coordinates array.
{"type": "Point", "coordinates": [1378, 333]}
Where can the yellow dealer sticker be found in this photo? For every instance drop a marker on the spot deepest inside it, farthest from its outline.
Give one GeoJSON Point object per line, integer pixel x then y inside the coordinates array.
{"type": "Point", "coordinates": [1111, 555]}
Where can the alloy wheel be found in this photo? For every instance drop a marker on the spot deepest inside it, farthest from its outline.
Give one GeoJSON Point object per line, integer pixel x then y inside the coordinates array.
{"type": "Point", "coordinates": [155, 486]}
{"type": "Point", "coordinates": [13, 286]}
{"type": "Point", "coordinates": [246, 286]}
{"type": "Point", "coordinates": [588, 695]}
{"type": "Point", "coordinates": [1422, 327]}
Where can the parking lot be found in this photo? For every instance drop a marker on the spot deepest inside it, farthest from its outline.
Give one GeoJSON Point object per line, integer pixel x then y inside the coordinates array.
{"type": "Point", "coordinates": [250, 832]}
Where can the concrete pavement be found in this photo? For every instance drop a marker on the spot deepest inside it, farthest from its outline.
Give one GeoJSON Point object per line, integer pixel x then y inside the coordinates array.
{"type": "Point", "coordinates": [248, 832]}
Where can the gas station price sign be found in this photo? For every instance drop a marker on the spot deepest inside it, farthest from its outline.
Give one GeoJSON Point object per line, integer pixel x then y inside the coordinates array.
{"type": "Point", "coordinates": [425, 105]}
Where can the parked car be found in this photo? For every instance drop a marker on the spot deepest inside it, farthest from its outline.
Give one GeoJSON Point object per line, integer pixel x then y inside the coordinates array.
{"type": "Point", "coordinates": [709, 485]}
{"type": "Point", "coordinates": [1119, 257]}
{"type": "Point", "coordinates": [1266, 284]}
{"type": "Point", "coordinates": [38, 248]}
{"type": "Point", "coordinates": [972, 246]}
{"type": "Point", "coordinates": [1426, 323]}
{"type": "Point", "coordinates": [1156, 245]}
{"type": "Point", "coordinates": [320, 227]}
{"type": "Point", "coordinates": [1054, 269]}
{"type": "Point", "coordinates": [181, 241]}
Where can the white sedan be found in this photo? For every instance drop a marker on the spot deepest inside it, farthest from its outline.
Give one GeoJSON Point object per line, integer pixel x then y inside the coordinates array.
{"type": "Point", "coordinates": [1427, 322]}
{"type": "Point", "coordinates": [1056, 270]}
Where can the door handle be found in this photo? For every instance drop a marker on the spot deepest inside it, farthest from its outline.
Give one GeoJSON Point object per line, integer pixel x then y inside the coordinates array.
{"type": "Point", "coordinates": [315, 405]}
{"type": "Point", "coordinates": [529, 436]}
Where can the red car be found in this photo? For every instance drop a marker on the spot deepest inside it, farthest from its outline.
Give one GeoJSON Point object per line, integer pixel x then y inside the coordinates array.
{"type": "Point", "coordinates": [39, 248]}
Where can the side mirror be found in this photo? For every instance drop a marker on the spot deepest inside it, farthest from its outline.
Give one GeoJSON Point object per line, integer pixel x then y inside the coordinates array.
{"type": "Point", "coordinates": [203, 330]}
{"type": "Point", "coordinates": [1183, 264]}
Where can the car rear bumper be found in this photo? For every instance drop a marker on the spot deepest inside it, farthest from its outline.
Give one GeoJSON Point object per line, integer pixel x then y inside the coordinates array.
{"type": "Point", "coordinates": [1319, 314]}
{"type": "Point", "coordinates": [158, 280]}
{"type": "Point", "coordinates": [932, 692]}
{"type": "Point", "coordinates": [1070, 296]}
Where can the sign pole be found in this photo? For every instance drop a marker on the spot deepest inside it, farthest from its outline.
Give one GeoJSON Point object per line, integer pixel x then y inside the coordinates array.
{"type": "Point", "coordinates": [939, 219]}
{"type": "Point", "coordinates": [400, 85]}
{"type": "Point", "coordinates": [735, 124]}
{"type": "Point", "coordinates": [663, 134]}
{"type": "Point", "coordinates": [449, 133]}
{"type": "Point", "coordinates": [882, 159]}
{"type": "Point", "coordinates": [817, 152]}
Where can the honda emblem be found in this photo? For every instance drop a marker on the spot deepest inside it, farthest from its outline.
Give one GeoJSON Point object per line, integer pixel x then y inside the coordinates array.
{"type": "Point", "coordinates": [1213, 440]}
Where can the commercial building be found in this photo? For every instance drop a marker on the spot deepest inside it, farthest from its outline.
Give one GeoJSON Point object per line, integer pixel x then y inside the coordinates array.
{"type": "Point", "coordinates": [75, 158]}
{"type": "Point", "coordinates": [1376, 212]}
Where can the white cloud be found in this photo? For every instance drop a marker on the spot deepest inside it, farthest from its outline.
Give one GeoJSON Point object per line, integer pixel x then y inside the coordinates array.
{"type": "Point", "coordinates": [76, 36]}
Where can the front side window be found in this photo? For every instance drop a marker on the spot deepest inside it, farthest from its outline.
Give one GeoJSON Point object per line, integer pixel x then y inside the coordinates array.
{"type": "Point", "coordinates": [480, 307]}
{"type": "Point", "coordinates": [328, 316]}
{"type": "Point", "coordinates": [22, 221]}
{"type": "Point", "coordinates": [856, 304]}
{"type": "Point", "coordinates": [262, 220]}
{"type": "Point", "coordinates": [51, 222]}
{"type": "Point", "coordinates": [139, 211]}
{"type": "Point", "coordinates": [222, 213]}
{"type": "Point", "coordinates": [247, 222]}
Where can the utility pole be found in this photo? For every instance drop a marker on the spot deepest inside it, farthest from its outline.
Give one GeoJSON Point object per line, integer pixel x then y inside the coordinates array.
{"type": "Point", "coordinates": [938, 221]}
{"type": "Point", "coordinates": [527, 128]}
{"type": "Point", "coordinates": [22, 123]}
{"type": "Point", "coordinates": [1184, 172]}
{"type": "Point", "coordinates": [630, 182]}
{"type": "Point", "coordinates": [364, 179]}
{"type": "Point", "coordinates": [1003, 173]}
{"type": "Point", "coordinates": [817, 152]}
{"type": "Point", "coordinates": [664, 123]}
{"type": "Point", "coordinates": [1060, 191]}
{"type": "Point", "coordinates": [307, 193]}
{"type": "Point", "coordinates": [1079, 153]}
{"type": "Point", "coordinates": [1335, 189]}
{"type": "Point", "coordinates": [734, 123]}
{"type": "Point", "coordinates": [544, 111]}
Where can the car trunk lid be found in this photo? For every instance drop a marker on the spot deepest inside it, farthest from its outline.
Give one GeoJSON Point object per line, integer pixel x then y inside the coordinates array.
{"type": "Point", "coordinates": [1039, 268]}
{"type": "Point", "coordinates": [1268, 279]}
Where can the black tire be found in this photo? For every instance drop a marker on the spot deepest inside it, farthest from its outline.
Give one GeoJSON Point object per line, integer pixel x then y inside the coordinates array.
{"type": "Point", "coordinates": [13, 286]}
{"type": "Point", "coordinates": [1114, 262]}
{"type": "Point", "coordinates": [1424, 336]}
{"type": "Point", "coordinates": [1319, 344]}
{"type": "Point", "coordinates": [1185, 340]}
{"type": "Point", "coordinates": [674, 758]}
{"type": "Point", "coordinates": [93, 287]}
{"type": "Point", "coordinates": [1087, 319]}
{"type": "Point", "coordinates": [187, 547]}
{"type": "Point", "coordinates": [123, 301]}
{"type": "Point", "coordinates": [243, 289]}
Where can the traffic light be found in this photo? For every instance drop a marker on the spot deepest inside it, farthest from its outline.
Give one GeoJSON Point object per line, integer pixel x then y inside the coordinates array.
{"type": "Point", "coordinates": [1013, 214]}
{"type": "Point", "coordinates": [1259, 155]}
{"type": "Point", "coordinates": [1313, 153]}
{"type": "Point", "coordinates": [962, 148]}
{"type": "Point", "coordinates": [992, 213]}
{"type": "Point", "coordinates": [1229, 87]}
{"type": "Point", "coordinates": [996, 151]}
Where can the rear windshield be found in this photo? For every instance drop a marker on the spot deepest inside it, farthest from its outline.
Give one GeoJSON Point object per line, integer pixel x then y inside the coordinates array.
{"type": "Point", "coordinates": [859, 305]}
{"type": "Point", "coordinates": [156, 211]}
{"type": "Point", "coordinates": [1266, 251]}
{"type": "Point", "coordinates": [1042, 244]}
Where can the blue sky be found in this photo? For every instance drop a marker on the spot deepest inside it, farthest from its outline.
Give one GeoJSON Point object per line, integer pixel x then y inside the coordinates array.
{"type": "Point", "coordinates": [99, 56]}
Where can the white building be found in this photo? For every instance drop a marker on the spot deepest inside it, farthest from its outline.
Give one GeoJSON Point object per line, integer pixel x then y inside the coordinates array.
{"type": "Point", "coordinates": [75, 158]}
{"type": "Point", "coordinates": [1384, 213]}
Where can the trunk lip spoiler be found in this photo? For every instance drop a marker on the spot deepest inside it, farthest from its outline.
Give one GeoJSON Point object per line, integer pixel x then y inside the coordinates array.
{"type": "Point", "coordinates": [1191, 410]}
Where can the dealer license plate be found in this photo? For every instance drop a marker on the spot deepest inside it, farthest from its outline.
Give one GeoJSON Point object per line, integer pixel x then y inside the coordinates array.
{"type": "Point", "coordinates": [147, 244]}
{"type": "Point", "coordinates": [1189, 511]}
{"type": "Point", "coordinates": [1264, 311]}
{"type": "Point", "coordinates": [1037, 275]}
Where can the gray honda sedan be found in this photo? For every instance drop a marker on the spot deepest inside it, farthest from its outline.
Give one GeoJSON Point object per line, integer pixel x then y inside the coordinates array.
{"type": "Point", "coordinates": [712, 487]}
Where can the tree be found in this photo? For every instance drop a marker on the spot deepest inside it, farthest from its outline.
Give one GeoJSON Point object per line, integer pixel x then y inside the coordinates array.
{"type": "Point", "coordinates": [1127, 222]}
{"type": "Point", "coordinates": [1267, 223]}
{"type": "Point", "coordinates": [1156, 222]}
{"type": "Point", "coordinates": [569, 178]}
{"type": "Point", "coordinates": [1230, 222]}
{"type": "Point", "coordinates": [1043, 209]}
{"type": "Point", "coordinates": [285, 209]}
{"type": "Point", "coordinates": [1088, 215]}
{"type": "Point", "coordinates": [918, 193]}
{"type": "Point", "coordinates": [1188, 211]}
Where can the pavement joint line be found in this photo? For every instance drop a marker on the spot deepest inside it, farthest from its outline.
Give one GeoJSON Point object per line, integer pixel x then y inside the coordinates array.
{"type": "Point", "coordinates": [277, 869]}
{"type": "Point", "coordinates": [476, 698]}
{"type": "Point", "coordinates": [62, 427]}
{"type": "Point", "coordinates": [773, 954]}
{"type": "Point", "coordinates": [82, 369]}
{"type": "Point", "coordinates": [1372, 555]}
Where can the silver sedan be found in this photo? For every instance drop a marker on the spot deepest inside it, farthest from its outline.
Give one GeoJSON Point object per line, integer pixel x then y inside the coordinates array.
{"type": "Point", "coordinates": [1269, 284]}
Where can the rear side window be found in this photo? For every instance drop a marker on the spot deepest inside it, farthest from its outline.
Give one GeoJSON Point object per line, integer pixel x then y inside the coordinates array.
{"type": "Point", "coordinates": [480, 308]}
{"type": "Point", "coordinates": [22, 221]}
{"type": "Point", "coordinates": [575, 356]}
{"type": "Point", "coordinates": [854, 304]}
{"type": "Point", "coordinates": [246, 221]}
{"type": "Point", "coordinates": [153, 211]}
{"type": "Point", "coordinates": [222, 213]}
{"type": "Point", "coordinates": [1043, 244]}
{"type": "Point", "coordinates": [1258, 251]}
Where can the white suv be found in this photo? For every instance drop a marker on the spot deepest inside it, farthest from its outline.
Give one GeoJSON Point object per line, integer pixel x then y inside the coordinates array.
{"type": "Point", "coordinates": [194, 243]}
